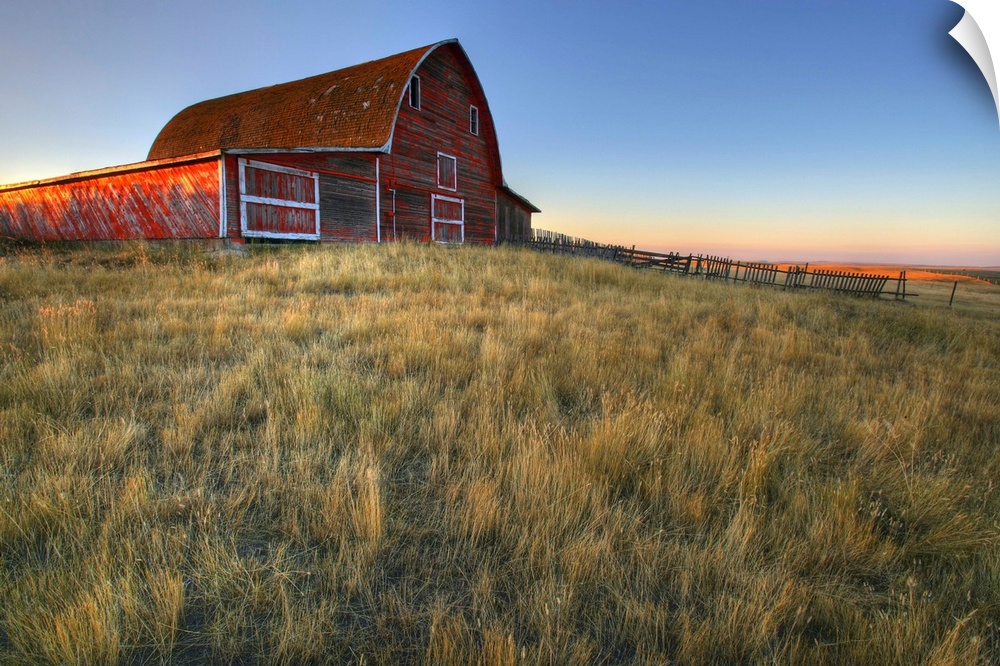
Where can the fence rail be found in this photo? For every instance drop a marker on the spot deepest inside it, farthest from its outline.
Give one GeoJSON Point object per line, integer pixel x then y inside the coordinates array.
{"type": "Point", "coordinates": [712, 267]}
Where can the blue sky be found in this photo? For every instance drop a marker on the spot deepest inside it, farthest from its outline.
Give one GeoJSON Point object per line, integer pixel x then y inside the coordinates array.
{"type": "Point", "coordinates": [763, 129]}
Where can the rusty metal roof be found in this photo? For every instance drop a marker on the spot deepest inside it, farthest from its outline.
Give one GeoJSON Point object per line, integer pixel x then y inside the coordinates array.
{"type": "Point", "coordinates": [352, 108]}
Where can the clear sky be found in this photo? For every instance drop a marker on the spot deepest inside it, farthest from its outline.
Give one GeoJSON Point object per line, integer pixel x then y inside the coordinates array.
{"type": "Point", "coordinates": [763, 129]}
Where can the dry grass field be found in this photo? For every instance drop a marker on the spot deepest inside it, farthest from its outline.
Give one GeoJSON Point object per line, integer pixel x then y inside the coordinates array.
{"type": "Point", "coordinates": [413, 454]}
{"type": "Point", "coordinates": [933, 287]}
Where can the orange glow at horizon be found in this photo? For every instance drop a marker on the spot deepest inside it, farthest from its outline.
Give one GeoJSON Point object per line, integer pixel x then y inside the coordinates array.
{"type": "Point", "coordinates": [749, 239]}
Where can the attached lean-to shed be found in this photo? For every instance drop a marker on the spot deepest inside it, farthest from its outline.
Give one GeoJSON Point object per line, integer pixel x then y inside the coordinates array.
{"type": "Point", "coordinates": [402, 147]}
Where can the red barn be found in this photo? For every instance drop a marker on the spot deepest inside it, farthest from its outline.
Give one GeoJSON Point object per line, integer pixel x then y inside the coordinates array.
{"type": "Point", "coordinates": [402, 147]}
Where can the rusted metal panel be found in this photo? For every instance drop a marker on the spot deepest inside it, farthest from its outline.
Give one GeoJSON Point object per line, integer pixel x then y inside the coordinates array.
{"type": "Point", "coordinates": [177, 200]}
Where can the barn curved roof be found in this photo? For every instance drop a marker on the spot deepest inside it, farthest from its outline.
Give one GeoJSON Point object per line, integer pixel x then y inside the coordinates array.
{"type": "Point", "coordinates": [351, 108]}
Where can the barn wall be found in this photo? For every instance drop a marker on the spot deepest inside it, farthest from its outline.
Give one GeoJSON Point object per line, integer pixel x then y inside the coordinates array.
{"type": "Point", "coordinates": [135, 202]}
{"type": "Point", "coordinates": [513, 220]}
{"type": "Point", "coordinates": [232, 190]}
{"type": "Point", "coordinates": [447, 88]}
{"type": "Point", "coordinates": [347, 186]}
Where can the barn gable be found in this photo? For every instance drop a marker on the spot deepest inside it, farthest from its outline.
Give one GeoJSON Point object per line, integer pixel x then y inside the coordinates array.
{"type": "Point", "coordinates": [438, 134]}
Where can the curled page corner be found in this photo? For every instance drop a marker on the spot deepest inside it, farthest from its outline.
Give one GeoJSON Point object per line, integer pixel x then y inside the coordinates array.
{"type": "Point", "coordinates": [977, 32]}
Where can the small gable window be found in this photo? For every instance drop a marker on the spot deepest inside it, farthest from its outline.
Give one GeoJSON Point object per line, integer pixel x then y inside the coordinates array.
{"type": "Point", "coordinates": [415, 92]}
{"type": "Point", "coordinates": [474, 120]}
{"type": "Point", "coordinates": [447, 172]}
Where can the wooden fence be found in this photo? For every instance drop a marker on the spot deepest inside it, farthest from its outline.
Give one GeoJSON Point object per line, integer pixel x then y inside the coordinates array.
{"type": "Point", "coordinates": [722, 268]}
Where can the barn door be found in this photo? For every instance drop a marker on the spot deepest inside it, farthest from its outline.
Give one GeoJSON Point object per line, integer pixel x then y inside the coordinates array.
{"type": "Point", "coordinates": [447, 219]}
{"type": "Point", "coordinates": [278, 201]}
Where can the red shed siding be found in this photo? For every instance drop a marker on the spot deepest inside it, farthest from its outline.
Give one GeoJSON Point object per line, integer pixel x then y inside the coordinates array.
{"type": "Point", "coordinates": [447, 88]}
{"type": "Point", "coordinates": [153, 202]}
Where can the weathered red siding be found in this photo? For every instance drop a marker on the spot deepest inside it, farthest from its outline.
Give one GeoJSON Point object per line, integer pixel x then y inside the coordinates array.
{"type": "Point", "coordinates": [232, 194]}
{"type": "Point", "coordinates": [448, 86]}
{"type": "Point", "coordinates": [177, 200]}
{"type": "Point", "coordinates": [347, 183]}
{"type": "Point", "coordinates": [513, 220]}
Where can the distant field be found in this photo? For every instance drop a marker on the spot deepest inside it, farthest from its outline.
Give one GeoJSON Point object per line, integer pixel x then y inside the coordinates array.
{"type": "Point", "coordinates": [979, 274]}
{"type": "Point", "coordinates": [933, 286]}
{"type": "Point", "coordinates": [920, 273]}
{"type": "Point", "coordinates": [417, 454]}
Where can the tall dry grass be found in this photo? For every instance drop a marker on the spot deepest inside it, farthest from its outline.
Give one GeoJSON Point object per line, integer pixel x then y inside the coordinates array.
{"type": "Point", "coordinates": [386, 454]}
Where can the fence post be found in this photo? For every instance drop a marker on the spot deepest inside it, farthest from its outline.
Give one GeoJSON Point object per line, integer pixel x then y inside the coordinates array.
{"type": "Point", "coordinates": [952, 299]}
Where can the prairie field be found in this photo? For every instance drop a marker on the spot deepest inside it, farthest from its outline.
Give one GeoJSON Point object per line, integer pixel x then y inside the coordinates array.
{"type": "Point", "coordinates": [416, 454]}
{"type": "Point", "coordinates": [963, 289]}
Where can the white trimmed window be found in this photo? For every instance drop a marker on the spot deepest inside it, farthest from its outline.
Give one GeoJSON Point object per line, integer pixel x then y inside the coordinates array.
{"type": "Point", "coordinates": [447, 219]}
{"type": "Point", "coordinates": [278, 201]}
{"type": "Point", "coordinates": [474, 120]}
{"type": "Point", "coordinates": [415, 92]}
{"type": "Point", "coordinates": [447, 172]}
